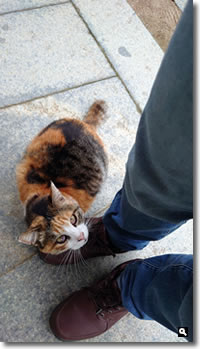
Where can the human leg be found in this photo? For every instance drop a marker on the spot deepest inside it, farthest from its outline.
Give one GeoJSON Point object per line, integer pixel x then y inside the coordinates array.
{"type": "Point", "coordinates": [157, 194]}
{"type": "Point", "coordinates": [128, 229]}
{"type": "Point", "coordinates": [161, 289]}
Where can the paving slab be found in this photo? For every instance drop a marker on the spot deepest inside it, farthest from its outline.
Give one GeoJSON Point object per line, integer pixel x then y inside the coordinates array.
{"type": "Point", "coordinates": [181, 4]}
{"type": "Point", "coordinates": [130, 47]}
{"type": "Point", "coordinates": [41, 55]}
{"type": "Point", "coordinates": [19, 124]}
{"type": "Point", "coordinates": [20, 5]}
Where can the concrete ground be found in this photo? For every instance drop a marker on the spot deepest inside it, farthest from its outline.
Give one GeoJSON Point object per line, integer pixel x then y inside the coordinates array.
{"type": "Point", "coordinates": [56, 58]}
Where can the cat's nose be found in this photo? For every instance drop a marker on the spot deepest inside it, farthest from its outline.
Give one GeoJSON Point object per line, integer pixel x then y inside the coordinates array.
{"type": "Point", "coordinates": [81, 237]}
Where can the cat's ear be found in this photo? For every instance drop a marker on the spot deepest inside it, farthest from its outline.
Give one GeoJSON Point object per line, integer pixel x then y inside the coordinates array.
{"type": "Point", "coordinates": [33, 233]}
{"type": "Point", "coordinates": [58, 199]}
{"type": "Point", "coordinates": [29, 237]}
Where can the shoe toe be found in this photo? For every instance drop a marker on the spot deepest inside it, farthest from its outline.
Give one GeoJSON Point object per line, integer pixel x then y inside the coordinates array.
{"type": "Point", "coordinates": [76, 319]}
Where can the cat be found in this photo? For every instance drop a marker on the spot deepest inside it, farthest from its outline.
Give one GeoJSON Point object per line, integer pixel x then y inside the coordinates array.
{"type": "Point", "coordinates": [58, 179]}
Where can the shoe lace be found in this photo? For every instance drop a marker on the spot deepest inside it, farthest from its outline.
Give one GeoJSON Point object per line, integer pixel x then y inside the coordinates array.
{"type": "Point", "coordinates": [106, 297]}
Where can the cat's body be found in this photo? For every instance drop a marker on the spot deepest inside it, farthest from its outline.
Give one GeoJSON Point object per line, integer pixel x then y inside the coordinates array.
{"type": "Point", "coordinates": [58, 178]}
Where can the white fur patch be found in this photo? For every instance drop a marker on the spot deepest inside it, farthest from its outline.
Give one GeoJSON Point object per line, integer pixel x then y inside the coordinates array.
{"type": "Point", "coordinates": [74, 233]}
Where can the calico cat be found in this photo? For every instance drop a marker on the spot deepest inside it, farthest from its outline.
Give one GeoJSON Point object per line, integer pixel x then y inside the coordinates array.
{"type": "Point", "coordinates": [58, 178]}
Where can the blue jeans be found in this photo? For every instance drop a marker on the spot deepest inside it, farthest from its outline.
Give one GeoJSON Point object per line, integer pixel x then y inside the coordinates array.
{"type": "Point", "coordinates": [158, 288]}
{"type": "Point", "coordinates": [156, 197]}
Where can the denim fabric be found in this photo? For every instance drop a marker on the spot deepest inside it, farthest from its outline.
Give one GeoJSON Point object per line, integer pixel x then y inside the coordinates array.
{"type": "Point", "coordinates": [159, 170]}
{"type": "Point", "coordinates": [160, 288]}
{"type": "Point", "coordinates": [156, 197]}
{"type": "Point", "coordinates": [130, 229]}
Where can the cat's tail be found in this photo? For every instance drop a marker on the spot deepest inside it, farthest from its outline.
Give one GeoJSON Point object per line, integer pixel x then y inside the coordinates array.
{"type": "Point", "coordinates": [96, 113]}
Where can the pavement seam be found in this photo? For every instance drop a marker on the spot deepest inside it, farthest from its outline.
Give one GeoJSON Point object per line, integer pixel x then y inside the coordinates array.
{"type": "Point", "coordinates": [57, 92]}
{"type": "Point", "coordinates": [33, 8]}
{"type": "Point", "coordinates": [105, 55]}
{"type": "Point", "coordinates": [17, 265]}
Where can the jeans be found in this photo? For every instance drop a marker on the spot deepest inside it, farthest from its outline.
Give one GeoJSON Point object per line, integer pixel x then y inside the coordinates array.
{"type": "Point", "coordinates": [156, 197]}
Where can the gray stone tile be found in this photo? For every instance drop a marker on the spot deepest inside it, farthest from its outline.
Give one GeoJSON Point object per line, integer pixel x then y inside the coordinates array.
{"type": "Point", "coordinates": [17, 5]}
{"type": "Point", "coordinates": [181, 4]}
{"type": "Point", "coordinates": [127, 43]}
{"type": "Point", "coordinates": [46, 50]}
{"type": "Point", "coordinates": [30, 293]}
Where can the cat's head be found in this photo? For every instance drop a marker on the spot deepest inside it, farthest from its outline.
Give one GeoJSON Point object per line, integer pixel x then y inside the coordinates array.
{"type": "Point", "coordinates": [57, 223]}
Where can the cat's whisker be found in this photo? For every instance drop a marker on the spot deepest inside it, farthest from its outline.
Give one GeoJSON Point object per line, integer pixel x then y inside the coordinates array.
{"type": "Point", "coordinates": [62, 263]}
{"type": "Point", "coordinates": [83, 261]}
{"type": "Point", "coordinates": [78, 262]}
{"type": "Point", "coordinates": [68, 257]}
{"type": "Point", "coordinates": [79, 258]}
{"type": "Point", "coordinates": [75, 264]}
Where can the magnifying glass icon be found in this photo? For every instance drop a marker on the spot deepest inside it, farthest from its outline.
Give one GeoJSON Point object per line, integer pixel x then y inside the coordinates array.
{"type": "Point", "coordinates": [182, 331]}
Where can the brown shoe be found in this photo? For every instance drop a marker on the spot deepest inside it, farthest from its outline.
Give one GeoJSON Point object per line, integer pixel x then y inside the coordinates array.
{"type": "Point", "coordinates": [98, 245]}
{"type": "Point", "coordinates": [91, 311]}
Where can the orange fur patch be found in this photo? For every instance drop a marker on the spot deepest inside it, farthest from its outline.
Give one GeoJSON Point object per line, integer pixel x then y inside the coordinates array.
{"type": "Point", "coordinates": [36, 155]}
{"type": "Point", "coordinates": [81, 196]}
{"type": "Point", "coordinates": [37, 148]}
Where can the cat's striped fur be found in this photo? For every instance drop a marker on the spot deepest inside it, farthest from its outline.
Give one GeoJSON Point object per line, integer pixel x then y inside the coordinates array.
{"type": "Point", "coordinates": [61, 172]}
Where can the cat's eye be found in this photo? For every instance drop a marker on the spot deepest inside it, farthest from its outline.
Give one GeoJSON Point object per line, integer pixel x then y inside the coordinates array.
{"type": "Point", "coordinates": [62, 239]}
{"type": "Point", "coordinates": [73, 220]}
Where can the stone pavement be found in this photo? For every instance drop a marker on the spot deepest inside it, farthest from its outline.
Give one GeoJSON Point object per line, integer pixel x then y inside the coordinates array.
{"type": "Point", "coordinates": [56, 58]}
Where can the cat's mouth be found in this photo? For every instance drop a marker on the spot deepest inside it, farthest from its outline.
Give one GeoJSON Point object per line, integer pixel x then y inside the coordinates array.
{"type": "Point", "coordinates": [81, 240]}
